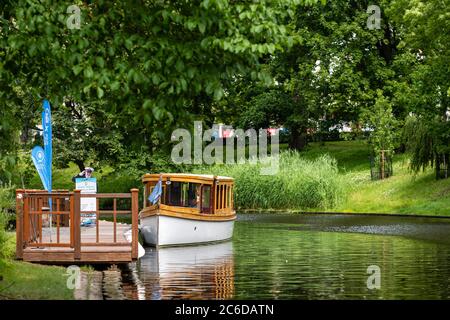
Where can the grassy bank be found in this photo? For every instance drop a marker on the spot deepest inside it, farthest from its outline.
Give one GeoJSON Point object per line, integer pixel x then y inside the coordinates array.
{"type": "Point", "coordinates": [22, 280]}
{"type": "Point", "coordinates": [404, 193]}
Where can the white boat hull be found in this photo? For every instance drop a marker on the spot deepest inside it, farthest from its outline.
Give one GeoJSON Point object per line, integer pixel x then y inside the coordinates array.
{"type": "Point", "coordinates": [160, 230]}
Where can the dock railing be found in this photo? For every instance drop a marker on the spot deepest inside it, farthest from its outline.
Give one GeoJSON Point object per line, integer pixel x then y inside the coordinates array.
{"type": "Point", "coordinates": [34, 227]}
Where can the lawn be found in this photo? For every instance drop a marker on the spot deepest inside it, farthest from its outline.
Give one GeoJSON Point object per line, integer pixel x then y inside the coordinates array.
{"type": "Point", "coordinates": [404, 193]}
{"type": "Point", "coordinates": [23, 280]}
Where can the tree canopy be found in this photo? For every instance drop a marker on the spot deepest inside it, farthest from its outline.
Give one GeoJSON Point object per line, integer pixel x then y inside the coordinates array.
{"type": "Point", "coordinates": [135, 70]}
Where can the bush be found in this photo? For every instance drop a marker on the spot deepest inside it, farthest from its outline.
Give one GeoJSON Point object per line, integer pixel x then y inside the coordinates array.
{"type": "Point", "coordinates": [300, 184]}
{"type": "Point", "coordinates": [7, 199]}
{"type": "Point", "coordinates": [5, 250]}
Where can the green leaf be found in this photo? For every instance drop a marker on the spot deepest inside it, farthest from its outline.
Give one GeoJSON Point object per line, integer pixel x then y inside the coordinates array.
{"type": "Point", "coordinates": [100, 92]}
{"type": "Point", "coordinates": [202, 27]}
{"type": "Point", "coordinates": [115, 85]}
{"type": "Point", "coordinates": [88, 72]}
{"type": "Point", "coordinates": [128, 43]}
{"type": "Point", "coordinates": [77, 69]}
{"type": "Point", "coordinates": [179, 65]}
{"type": "Point", "coordinates": [218, 93]}
{"type": "Point", "coordinates": [100, 62]}
{"type": "Point", "coordinates": [156, 79]}
{"type": "Point", "coordinates": [147, 104]}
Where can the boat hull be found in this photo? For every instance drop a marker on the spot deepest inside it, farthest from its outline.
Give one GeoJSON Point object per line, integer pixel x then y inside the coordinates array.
{"type": "Point", "coordinates": [161, 230]}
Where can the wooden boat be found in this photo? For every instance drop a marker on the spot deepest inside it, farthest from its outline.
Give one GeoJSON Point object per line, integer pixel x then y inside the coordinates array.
{"type": "Point", "coordinates": [191, 209]}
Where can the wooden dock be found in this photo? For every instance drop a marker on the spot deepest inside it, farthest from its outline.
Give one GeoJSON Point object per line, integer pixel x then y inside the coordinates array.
{"type": "Point", "coordinates": [105, 242]}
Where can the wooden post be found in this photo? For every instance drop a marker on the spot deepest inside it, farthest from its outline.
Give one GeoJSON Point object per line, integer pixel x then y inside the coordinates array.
{"type": "Point", "coordinates": [200, 203]}
{"type": "Point", "coordinates": [76, 224]}
{"type": "Point", "coordinates": [97, 222]}
{"type": "Point", "coordinates": [213, 197]}
{"type": "Point", "coordinates": [135, 222]}
{"type": "Point", "coordinates": [26, 220]}
{"type": "Point", "coordinates": [115, 219]}
{"type": "Point", "coordinates": [222, 193]}
{"type": "Point", "coordinates": [71, 220]}
{"type": "Point", "coordinates": [58, 210]}
{"type": "Point", "coordinates": [144, 200]}
{"type": "Point", "coordinates": [232, 198]}
{"type": "Point", "coordinates": [39, 224]}
{"type": "Point", "coordinates": [19, 224]}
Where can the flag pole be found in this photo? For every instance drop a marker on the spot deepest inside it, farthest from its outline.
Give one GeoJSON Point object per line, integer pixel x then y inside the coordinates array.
{"type": "Point", "coordinates": [42, 158]}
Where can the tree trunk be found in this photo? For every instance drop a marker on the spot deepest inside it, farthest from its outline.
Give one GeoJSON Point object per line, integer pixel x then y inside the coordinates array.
{"type": "Point", "coordinates": [80, 164]}
{"type": "Point", "coordinates": [298, 139]}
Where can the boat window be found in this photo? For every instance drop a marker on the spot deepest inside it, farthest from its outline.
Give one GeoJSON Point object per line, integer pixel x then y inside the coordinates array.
{"type": "Point", "coordinates": [149, 189]}
{"type": "Point", "coordinates": [183, 194]}
{"type": "Point", "coordinates": [206, 199]}
{"type": "Point", "coordinates": [223, 197]}
{"type": "Point", "coordinates": [220, 197]}
{"type": "Point", "coordinates": [150, 186]}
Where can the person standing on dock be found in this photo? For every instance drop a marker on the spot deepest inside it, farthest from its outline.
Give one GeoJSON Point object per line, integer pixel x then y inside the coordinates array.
{"type": "Point", "coordinates": [86, 173]}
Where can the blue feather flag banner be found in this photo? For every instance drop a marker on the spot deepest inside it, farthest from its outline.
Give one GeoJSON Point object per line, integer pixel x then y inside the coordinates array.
{"type": "Point", "coordinates": [38, 157]}
{"type": "Point", "coordinates": [42, 158]}
{"type": "Point", "coordinates": [156, 193]}
{"type": "Point", "coordinates": [48, 143]}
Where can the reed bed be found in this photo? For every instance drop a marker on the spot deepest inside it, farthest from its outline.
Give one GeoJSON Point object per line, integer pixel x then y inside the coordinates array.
{"type": "Point", "coordinates": [300, 183]}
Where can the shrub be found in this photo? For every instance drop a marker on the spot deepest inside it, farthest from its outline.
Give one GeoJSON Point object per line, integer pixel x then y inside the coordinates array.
{"type": "Point", "coordinates": [7, 200]}
{"type": "Point", "coordinates": [5, 250]}
{"type": "Point", "coordinates": [8, 205]}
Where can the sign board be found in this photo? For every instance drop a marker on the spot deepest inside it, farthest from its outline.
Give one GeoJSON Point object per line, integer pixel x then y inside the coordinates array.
{"type": "Point", "coordinates": [88, 206]}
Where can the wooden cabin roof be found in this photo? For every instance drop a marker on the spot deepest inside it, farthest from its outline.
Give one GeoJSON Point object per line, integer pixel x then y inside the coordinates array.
{"type": "Point", "coordinates": [188, 177]}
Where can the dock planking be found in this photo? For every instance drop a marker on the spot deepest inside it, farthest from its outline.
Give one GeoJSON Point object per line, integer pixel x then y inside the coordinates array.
{"type": "Point", "coordinates": [104, 242]}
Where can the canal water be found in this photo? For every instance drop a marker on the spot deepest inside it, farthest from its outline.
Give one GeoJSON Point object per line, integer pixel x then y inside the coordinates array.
{"type": "Point", "coordinates": [313, 256]}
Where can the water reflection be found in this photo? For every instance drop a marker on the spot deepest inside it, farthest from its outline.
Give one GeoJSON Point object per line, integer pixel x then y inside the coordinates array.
{"type": "Point", "coordinates": [303, 257]}
{"type": "Point", "coordinates": [191, 272]}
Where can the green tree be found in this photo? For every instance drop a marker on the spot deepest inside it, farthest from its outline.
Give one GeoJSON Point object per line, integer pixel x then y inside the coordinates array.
{"type": "Point", "coordinates": [333, 69]}
{"type": "Point", "coordinates": [8, 142]}
{"type": "Point", "coordinates": [383, 125]}
{"type": "Point", "coordinates": [425, 40]}
{"type": "Point", "coordinates": [85, 133]}
{"type": "Point", "coordinates": [147, 61]}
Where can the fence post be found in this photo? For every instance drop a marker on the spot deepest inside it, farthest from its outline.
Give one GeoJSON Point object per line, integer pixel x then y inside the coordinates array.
{"type": "Point", "coordinates": [19, 224]}
{"type": "Point", "coordinates": [134, 222]}
{"type": "Point", "coordinates": [26, 219]}
{"type": "Point", "coordinates": [76, 224]}
{"type": "Point", "coordinates": [72, 220]}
